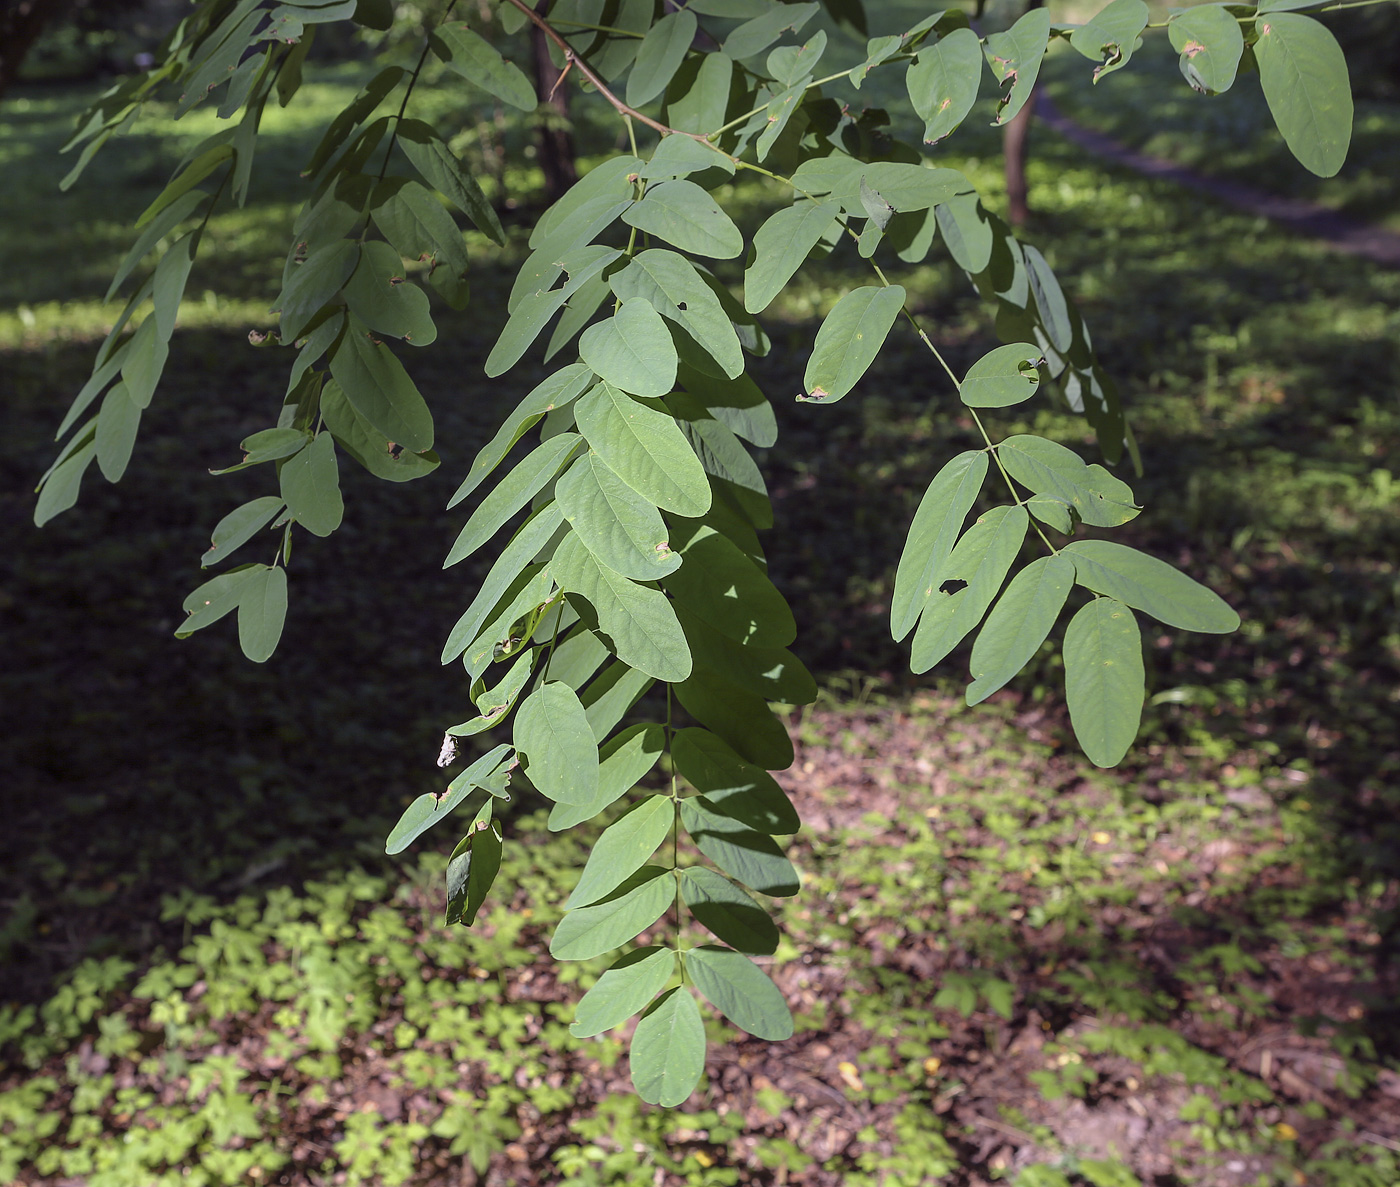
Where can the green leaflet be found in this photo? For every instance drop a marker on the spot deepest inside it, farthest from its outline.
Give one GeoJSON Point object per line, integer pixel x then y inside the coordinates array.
{"type": "Point", "coordinates": [1049, 299]}
{"type": "Point", "coordinates": [446, 174]}
{"type": "Point", "coordinates": [644, 448]}
{"type": "Point", "coordinates": [413, 219]}
{"type": "Point", "coordinates": [1015, 58]}
{"type": "Point", "coordinates": [186, 206]}
{"type": "Point", "coordinates": [556, 745]}
{"type": "Point", "coordinates": [624, 761]}
{"type": "Point", "coordinates": [1052, 511]}
{"type": "Point", "coordinates": [623, 849]}
{"type": "Point", "coordinates": [482, 65]}
{"type": "Point", "coordinates": [728, 912]}
{"type": "Point", "coordinates": [660, 55]}
{"type": "Point", "coordinates": [385, 300]}
{"type": "Point", "coordinates": [60, 486]}
{"type": "Point", "coordinates": [472, 869]}
{"type": "Point", "coordinates": [704, 90]}
{"type": "Point", "coordinates": [617, 525]}
{"type": "Point", "coordinates": [936, 527]}
{"type": "Point", "coordinates": [608, 184]}
{"type": "Point", "coordinates": [773, 673]}
{"type": "Point", "coordinates": [577, 656]}
{"type": "Point", "coordinates": [495, 702]}
{"type": "Point", "coordinates": [239, 526]}
{"type": "Point", "coordinates": [533, 535]}
{"type": "Point", "coordinates": [168, 286]}
{"type": "Point", "coordinates": [262, 612]}
{"type": "Point", "coordinates": [380, 390]}
{"type": "Point", "coordinates": [1111, 35]}
{"type": "Point", "coordinates": [1150, 585]}
{"type": "Point", "coordinates": [618, 53]}
{"type": "Point", "coordinates": [532, 313]}
{"type": "Point", "coordinates": [1050, 469]}
{"type": "Point", "coordinates": [710, 423]}
{"type": "Point", "coordinates": [719, 584]}
{"type": "Point", "coordinates": [1210, 43]}
{"type": "Point", "coordinates": [789, 63]}
{"type": "Point", "coordinates": [193, 173]}
{"type": "Point", "coordinates": [943, 83]}
{"type": "Point", "coordinates": [735, 986]}
{"type": "Point", "coordinates": [516, 489]}
{"type": "Point", "coordinates": [632, 350]}
{"type": "Point", "coordinates": [623, 990]}
{"type": "Point", "coordinates": [967, 230]}
{"type": "Point", "coordinates": [512, 624]}
{"type": "Point", "coordinates": [359, 109]}
{"type": "Point", "coordinates": [610, 696]}
{"type": "Point", "coordinates": [780, 248]}
{"type": "Point", "coordinates": [145, 361]}
{"type": "Point", "coordinates": [637, 620]}
{"type": "Point", "coordinates": [906, 187]}
{"type": "Point", "coordinates": [1104, 682]}
{"type": "Point", "coordinates": [117, 423]}
{"type": "Point", "coordinates": [744, 791]}
{"type": "Point", "coordinates": [877, 50]}
{"type": "Point", "coordinates": [753, 858]}
{"type": "Point", "coordinates": [310, 484]}
{"type": "Point", "coordinates": [272, 445]}
{"type": "Point", "coordinates": [557, 391]}
{"type": "Point", "coordinates": [755, 36]}
{"type": "Point", "coordinates": [670, 283]}
{"type": "Point", "coordinates": [780, 110]}
{"type": "Point", "coordinates": [684, 215]}
{"type": "Point", "coordinates": [1019, 624]}
{"type": "Point", "coordinates": [743, 719]}
{"type": "Point", "coordinates": [367, 445]}
{"type": "Point", "coordinates": [668, 1048]}
{"type": "Point", "coordinates": [849, 340]}
{"type": "Point", "coordinates": [1304, 75]}
{"type": "Point", "coordinates": [427, 810]}
{"type": "Point", "coordinates": [981, 560]}
{"type": "Point", "coordinates": [1006, 376]}
{"type": "Point", "coordinates": [586, 932]}
{"type": "Point", "coordinates": [680, 156]}
{"type": "Point", "coordinates": [216, 598]}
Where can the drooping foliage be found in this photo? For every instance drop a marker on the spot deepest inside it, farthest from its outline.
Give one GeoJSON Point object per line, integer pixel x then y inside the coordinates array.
{"type": "Point", "coordinates": [628, 558]}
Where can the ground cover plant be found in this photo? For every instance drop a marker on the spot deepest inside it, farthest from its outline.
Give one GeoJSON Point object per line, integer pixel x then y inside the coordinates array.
{"type": "Point", "coordinates": [894, 435]}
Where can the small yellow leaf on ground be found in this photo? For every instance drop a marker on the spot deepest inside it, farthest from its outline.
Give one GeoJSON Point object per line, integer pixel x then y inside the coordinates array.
{"type": "Point", "coordinates": [1102, 838]}
{"type": "Point", "coordinates": [702, 1158]}
{"type": "Point", "coordinates": [850, 1077]}
{"type": "Point", "coordinates": [1286, 1132]}
{"type": "Point", "coordinates": [932, 1064]}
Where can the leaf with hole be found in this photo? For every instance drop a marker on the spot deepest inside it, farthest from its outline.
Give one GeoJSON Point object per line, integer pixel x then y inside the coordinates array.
{"type": "Point", "coordinates": [472, 869]}
{"type": "Point", "coordinates": [670, 283]}
{"type": "Point", "coordinates": [1111, 35]}
{"type": "Point", "coordinates": [1008, 375]}
{"type": "Point", "coordinates": [936, 527]}
{"type": "Point", "coordinates": [378, 387]}
{"type": "Point", "coordinates": [1104, 683]}
{"type": "Point", "coordinates": [617, 525]}
{"type": "Point", "coordinates": [967, 582]}
{"type": "Point", "coordinates": [428, 809]}
{"type": "Point", "coordinates": [1015, 58]}
{"type": "Point", "coordinates": [380, 294]}
{"type": "Point", "coordinates": [239, 526]}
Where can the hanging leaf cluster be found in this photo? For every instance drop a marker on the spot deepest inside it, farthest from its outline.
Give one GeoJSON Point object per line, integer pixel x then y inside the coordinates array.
{"type": "Point", "coordinates": [626, 648]}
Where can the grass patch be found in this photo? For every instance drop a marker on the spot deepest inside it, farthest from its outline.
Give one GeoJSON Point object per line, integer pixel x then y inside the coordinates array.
{"type": "Point", "coordinates": [1005, 964]}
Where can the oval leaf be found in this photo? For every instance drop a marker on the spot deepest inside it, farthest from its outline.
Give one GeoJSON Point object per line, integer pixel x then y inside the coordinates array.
{"type": "Point", "coordinates": [586, 932]}
{"type": "Point", "coordinates": [1104, 679]}
{"type": "Point", "coordinates": [1304, 75]}
{"type": "Point", "coordinates": [727, 911]}
{"type": "Point", "coordinates": [1006, 376]}
{"type": "Point", "coordinates": [311, 487]}
{"type": "Point", "coordinates": [479, 63]}
{"type": "Point", "coordinates": [615, 523]}
{"type": "Point", "coordinates": [623, 849]}
{"type": "Point", "coordinates": [684, 215]}
{"type": "Point", "coordinates": [1018, 624]}
{"type": "Point", "coordinates": [623, 990]}
{"type": "Point", "coordinates": [739, 990]}
{"type": "Point", "coordinates": [632, 350]}
{"type": "Point", "coordinates": [262, 612]}
{"type": "Point", "coordinates": [380, 295]}
{"type": "Point", "coordinates": [943, 83]}
{"type": "Point", "coordinates": [668, 1046]}
{"type": "Point", "coordinates": [849, 340]}
{"type": "Point", "coordinates": [1150, 585]}
{"type": "Point", "coordinates": [556, 744]}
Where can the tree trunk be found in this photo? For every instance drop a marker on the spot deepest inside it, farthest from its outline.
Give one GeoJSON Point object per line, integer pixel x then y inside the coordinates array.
{"type": "Point", "coordinates": [1014, 148]}
{"type": "Point", "coordinates": [556, 135]}
{"type": "Point", "coordinates": [21, 22]}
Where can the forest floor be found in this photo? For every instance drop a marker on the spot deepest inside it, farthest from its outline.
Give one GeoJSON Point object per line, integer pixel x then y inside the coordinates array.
{"type": "Point", "coordinates": [1006, 966]}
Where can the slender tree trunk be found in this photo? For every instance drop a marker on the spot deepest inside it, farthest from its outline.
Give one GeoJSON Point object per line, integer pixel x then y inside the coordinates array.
{"type": "Point", "coordinates": [556, 138]}
{"type": "Point", "coordinates": [1014, 149]}
{"type": "Point", "coordinates": [21, 22]}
